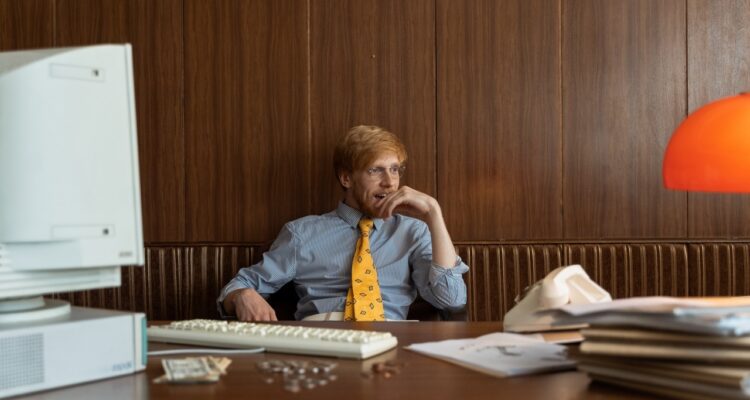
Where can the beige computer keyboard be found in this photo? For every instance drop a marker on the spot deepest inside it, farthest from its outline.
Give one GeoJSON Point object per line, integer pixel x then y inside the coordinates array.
{"type": "Point", "coordinates": [344, 343]}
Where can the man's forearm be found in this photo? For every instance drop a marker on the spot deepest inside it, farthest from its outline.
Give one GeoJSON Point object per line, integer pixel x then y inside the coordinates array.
{"type": "Point", "coordinates": [443, 252]}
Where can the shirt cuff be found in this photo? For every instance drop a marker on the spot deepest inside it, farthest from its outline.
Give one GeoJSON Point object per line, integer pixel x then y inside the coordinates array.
{"type": "Point", "coordinates": [438, 271]}
{"type": "Point", "coordinates": [229, 288]}
{"type": "Point", "coordinates": [458, 264]}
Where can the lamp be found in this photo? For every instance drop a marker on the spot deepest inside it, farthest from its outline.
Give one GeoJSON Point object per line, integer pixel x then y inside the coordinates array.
{"type": "Point", "coordinates": [710, 150]}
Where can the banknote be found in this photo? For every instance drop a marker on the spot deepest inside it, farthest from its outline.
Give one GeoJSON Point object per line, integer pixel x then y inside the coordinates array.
{"type": "Point", "coordinates": [193, 369]}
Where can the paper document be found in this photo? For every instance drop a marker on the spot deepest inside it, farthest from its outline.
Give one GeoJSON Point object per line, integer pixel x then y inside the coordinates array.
{"type": "Point", "coordinates": [500, 354]}
{"type": "Point", "coordinates": [661, 304]}
{"type": "Point", "coordinates": [708, 316]}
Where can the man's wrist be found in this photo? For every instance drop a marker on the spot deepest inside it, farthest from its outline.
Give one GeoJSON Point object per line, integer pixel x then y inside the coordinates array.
{"type": "Point", "coordinates": [435, 216]}
{"type": "Point", "coordinates": [230, 302]}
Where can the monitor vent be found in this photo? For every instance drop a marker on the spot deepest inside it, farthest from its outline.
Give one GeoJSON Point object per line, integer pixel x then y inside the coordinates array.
{"type": "Point", "coordinates": [22, 361]}
{"type": "Point", "coordinates": [3, 256]}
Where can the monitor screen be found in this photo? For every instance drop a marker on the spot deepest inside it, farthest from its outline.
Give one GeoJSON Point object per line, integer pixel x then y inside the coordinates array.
{"type": "Point", "coordinates": [70, 208]}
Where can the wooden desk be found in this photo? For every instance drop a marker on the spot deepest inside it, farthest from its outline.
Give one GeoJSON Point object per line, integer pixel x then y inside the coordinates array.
{"type": "Point", "coordinates": [421, 376]}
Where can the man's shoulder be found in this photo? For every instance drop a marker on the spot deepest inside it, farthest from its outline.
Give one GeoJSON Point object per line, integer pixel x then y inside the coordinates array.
{"type": "Point", "coordinates": [313, 221]}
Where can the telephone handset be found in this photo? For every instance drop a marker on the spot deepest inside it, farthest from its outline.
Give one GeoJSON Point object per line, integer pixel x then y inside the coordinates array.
{"type": "Point", "coordinates": [564, 285]}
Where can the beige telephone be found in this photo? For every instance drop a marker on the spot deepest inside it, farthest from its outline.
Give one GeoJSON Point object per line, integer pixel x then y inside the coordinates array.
{"type": "Point", "coordinates": [564, 285]}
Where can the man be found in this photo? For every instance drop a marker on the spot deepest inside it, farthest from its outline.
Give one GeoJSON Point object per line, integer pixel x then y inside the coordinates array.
{"type": "Point", "coordinates": [367, 259]}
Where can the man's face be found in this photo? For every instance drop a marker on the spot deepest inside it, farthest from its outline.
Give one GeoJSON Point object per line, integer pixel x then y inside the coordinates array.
{"type": "Point", "coordinates": [366, 189]}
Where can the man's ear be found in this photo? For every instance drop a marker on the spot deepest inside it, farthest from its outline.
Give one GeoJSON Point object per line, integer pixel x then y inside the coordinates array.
{"type": "Point", "coordinates": [345, 179]}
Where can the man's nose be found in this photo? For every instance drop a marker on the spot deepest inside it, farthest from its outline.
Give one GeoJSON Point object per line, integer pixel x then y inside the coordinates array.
{"type": "Point", "coordinates": [387, 179]}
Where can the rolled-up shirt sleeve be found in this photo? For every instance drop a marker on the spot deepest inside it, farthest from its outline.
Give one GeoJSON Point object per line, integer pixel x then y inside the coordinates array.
{"type": "Point", "coordinates": [441, 286]}
{"type": "Point", "coordinates": [277, 267]}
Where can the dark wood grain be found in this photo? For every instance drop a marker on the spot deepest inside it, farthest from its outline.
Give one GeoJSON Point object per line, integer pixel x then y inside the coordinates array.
{"type": "Point", "coordinates": [246, 118]}
{"type": "Point", "coordinates": [26, 24]}
{"type": "Point", "coordinates": [342, 83]}
{"type": "Point", "coordinates": [473, 88]}
{"type": "Point", "coordinates": [420, 375]}
{"type": "Point", "coordinates": [499, 273]}
{"type": "Point", "coordinates": [155, 31]}
{"type": "Point", "coordinates": [718, 66]}
{"type": "Point", "coordinates": [177, 282]}
{"type": "Point", "coordinates": [623, 95]}
{"type": "Point", "coordinates": [405, 83]}
{"type": "Point", "coordinates": [372, 63]}
{"type": "Point", "coordinates": [721, 269]}
{"type": "Point", "coordinates": [636, 269]}
{"type": "Point", "coordinates": [183, 281]}
{"type": "Point", "coordinates": [539, 121]}
{"type": "Point", "coordinates": [86, 22]}
{"type": "Point", "coordinates": [423, 376]}
{"type": "Point", "coordinates": [154, 28]}
{"type": "Point", "coordinates": [498, 106]}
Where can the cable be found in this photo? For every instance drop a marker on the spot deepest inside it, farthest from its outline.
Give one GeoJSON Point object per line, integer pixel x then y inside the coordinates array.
{"type": "Point", "coordinates": [209, 351]}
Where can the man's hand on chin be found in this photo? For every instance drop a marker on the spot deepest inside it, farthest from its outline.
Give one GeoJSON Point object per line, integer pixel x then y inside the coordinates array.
{"type": "Point", "coordinates": [409, 202]}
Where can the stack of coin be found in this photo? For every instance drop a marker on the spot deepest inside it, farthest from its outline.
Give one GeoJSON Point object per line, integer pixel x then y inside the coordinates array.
{"type": "Point", "coordinates": [297, 375]}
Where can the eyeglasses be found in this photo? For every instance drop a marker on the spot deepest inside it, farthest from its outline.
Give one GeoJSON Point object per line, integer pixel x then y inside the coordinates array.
{"type": "Point", "coordinates": [395, 171]}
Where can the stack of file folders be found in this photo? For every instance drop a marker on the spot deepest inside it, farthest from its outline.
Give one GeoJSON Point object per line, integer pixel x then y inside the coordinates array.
{"type": "Point", "coordinates": [681, 348]}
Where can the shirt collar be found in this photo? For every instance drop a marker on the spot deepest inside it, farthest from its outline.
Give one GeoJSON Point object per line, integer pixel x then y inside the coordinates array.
{"type": "Point", "coordinates": [352, 216]}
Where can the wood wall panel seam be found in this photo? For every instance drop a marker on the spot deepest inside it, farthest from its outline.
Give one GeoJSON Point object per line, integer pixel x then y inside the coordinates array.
{"type": "Point", "coordinates": [718, 66]}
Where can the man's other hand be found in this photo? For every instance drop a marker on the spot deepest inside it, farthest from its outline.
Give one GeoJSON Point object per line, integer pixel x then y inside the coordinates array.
{"type": "Point", "coordinates": [249, 306]}
{"type": "Point", "coordinates": [409, 202]}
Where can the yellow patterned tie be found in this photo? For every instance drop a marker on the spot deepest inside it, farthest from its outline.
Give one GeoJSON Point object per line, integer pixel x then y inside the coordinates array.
{"type": "Point", "coordinates": [363, 302]}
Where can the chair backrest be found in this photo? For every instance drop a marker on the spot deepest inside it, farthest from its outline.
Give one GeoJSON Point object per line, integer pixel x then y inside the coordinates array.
{"type": "Point", "coordinates": [284, 302]}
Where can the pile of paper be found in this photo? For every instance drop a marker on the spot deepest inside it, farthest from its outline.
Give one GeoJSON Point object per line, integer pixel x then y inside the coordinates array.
{"type": "Point", "coordinates": [728, 316]}
{"type": "Point", "coordinates": [193, 369]}
{"type": "Point", "coordinates": [683, 348]}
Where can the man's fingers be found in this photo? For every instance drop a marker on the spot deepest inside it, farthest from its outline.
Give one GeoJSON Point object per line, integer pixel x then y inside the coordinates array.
{"type": "Point", "coordinates": [266, 314]}
{"type": "Point", "coordinates": [253, 307]}
{"type": "Point", "coordinates": [408, 202]}
{"type": "Point", "coordinates": [390, 203]}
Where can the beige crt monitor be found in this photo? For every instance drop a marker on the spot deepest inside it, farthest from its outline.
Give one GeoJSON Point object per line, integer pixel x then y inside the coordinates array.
{"type": "Point", "coordinates": [70, 208]}
{"type": "Point", "coordinates": [70, 215]}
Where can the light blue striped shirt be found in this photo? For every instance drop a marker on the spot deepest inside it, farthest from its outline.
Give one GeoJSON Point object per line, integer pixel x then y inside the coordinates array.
{"type": "Point", "coordinates": [316, 253]}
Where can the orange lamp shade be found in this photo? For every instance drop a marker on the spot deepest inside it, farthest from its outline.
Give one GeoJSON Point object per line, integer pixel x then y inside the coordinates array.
{"type": "Point", "coordinates": [710, 150]}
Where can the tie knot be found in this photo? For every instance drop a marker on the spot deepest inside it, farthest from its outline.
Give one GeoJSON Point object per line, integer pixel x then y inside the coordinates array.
{"type": "Point", "coordinates": [365, 226]}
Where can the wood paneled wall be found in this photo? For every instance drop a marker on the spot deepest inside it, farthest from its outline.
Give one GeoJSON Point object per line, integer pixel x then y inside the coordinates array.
{"type": "Point", "coordinates": [500, 272]}
{"type": "Point", "coordinates": [539, 125]}
{"type": "Point", "coordinates": [182, 282]}
{"type": "Point", "coordinates": [499, 119]}
{"type": "Point", "coordinates": [373, 63]}
{"type": "Point", "coordinates": [623, 94]}
{"type": "Point", "coordinates": [718, 66]}
{"type": "Point", "coordinates": [540, 120]}
{"type": "Point", "coordinates": [246, 118]}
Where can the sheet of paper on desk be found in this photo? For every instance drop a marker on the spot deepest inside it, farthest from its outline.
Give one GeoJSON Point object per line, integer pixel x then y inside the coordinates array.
{"type": "Point", "coordinates": [499, 354]}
